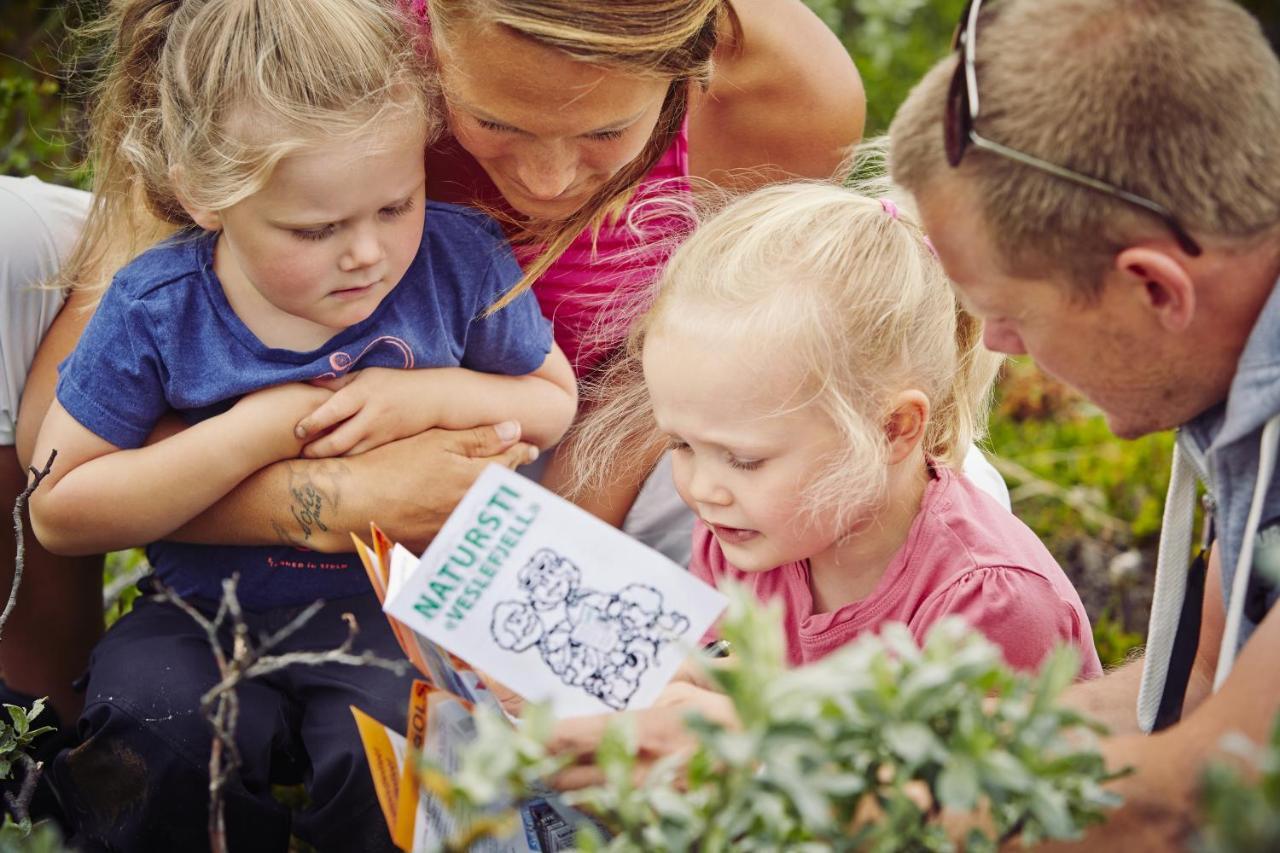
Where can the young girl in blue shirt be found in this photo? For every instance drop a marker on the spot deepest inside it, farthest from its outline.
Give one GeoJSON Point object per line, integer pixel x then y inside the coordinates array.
{"type": "Point", "coordinates": [312, 302]}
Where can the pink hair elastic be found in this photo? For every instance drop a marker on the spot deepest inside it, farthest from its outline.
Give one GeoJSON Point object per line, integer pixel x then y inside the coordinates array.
{"type": "Point", "coordinates": [889, 208]}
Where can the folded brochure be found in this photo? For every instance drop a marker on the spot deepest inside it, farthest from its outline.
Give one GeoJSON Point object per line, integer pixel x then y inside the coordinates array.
{"type": "Point", "coordinates": [541, 596]}
{"type": "Point", "coordinates": [549, 600]}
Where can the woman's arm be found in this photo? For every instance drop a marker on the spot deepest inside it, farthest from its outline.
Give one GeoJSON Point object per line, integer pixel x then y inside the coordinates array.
{"type": "Point", "coordinates": [382, 405]}
{"type": "Point", "coordinates": [408, 487]}
{"type": "Point", "coordinates": [785, 100]}
{"type": "Point", "coordinates": [98, 497]}
{"type": "Point", "coordinates": [37, 394]}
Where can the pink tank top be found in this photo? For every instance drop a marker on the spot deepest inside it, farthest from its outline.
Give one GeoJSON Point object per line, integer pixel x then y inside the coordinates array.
{"type": "Point", "coordinates": [602, 281]}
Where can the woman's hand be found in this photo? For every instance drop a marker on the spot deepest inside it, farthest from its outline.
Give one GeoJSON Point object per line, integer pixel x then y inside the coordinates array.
{"type": "Point", "coordinates": [660, 732]}
{"type": "Point", "coordinates": [408, 487]}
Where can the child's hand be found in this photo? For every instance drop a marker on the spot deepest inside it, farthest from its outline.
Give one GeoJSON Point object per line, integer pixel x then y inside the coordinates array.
{"type": "Point", "coordinates": [378, 406]}
{"type": "Point", "coordinates": [660, 731]}
{"type": "Point", "coordinates": [270, 414]}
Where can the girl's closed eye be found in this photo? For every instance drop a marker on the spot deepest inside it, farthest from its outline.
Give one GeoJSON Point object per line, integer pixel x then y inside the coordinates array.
{"type": "Point", "coordinates": [744, 464]}
{"type": "Point", "coordinates": [678, 445]}
{"type": "Point", "coordinates": [397, 210]}
{"type": "Point", "coordinates": [313, 233]}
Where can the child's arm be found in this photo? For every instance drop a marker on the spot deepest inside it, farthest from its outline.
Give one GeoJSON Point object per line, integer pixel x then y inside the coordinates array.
{"type": "Point", "coordinates": [382, 405]}
{"type": "Point", "coordinates": [99, 497]}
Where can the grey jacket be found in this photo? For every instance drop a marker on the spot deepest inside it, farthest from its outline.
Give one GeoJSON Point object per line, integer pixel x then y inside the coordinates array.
{"type": "Point", "coordinates": [1226, 444]}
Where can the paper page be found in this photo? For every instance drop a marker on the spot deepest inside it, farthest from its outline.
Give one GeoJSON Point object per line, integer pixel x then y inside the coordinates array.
{"type": "Point", "coordinates": [552, 602]}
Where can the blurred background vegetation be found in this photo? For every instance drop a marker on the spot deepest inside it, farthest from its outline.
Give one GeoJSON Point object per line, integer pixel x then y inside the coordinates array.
{"type": "Point", "coordinates": [1094, 499]}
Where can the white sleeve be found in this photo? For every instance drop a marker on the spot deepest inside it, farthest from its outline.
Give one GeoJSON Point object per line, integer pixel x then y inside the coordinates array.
{"type": "Point", "coordinates": [39, 224]}
{"type": "Point", "coordinates": [984, 475]}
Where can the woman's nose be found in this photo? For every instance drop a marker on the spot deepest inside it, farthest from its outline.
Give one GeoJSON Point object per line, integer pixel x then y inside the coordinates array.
{"type": "Point", "coordinates": [546, 173]}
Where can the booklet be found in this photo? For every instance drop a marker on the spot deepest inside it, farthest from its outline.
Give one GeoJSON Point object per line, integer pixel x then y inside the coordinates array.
{"type": "Point", "coordinates": [439, 725]}
{"type": "Point", "coordinates": [543, 597]}
{"type": "Point", "coordinates": [548, 600]}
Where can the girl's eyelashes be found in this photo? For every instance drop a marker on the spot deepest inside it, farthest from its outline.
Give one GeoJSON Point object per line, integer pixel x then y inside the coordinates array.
{"type": "Point", "coordinates": [607, 135]}
{"type": "Point", "coordinates": [393, 212]}
{"type": "Point", "coordinates": [313, 233]}
{"type": "Point", "coordinates": [397, 210]}
{"type": "Point", "coordinates": [679, 445]}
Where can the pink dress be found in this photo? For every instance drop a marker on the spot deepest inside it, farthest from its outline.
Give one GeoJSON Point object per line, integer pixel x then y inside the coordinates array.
{"type": "Point", "coordinates": [965, 555]}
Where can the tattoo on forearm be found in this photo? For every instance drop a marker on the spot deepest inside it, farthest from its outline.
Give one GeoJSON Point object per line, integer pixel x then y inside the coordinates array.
{"type": "Point", "coordinates": [307, 508]}
{"type": "Point", "coordinates": [311, 502]}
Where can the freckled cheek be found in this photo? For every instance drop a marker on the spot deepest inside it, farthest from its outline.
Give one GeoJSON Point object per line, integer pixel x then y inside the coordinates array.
{"type": "Point", "coordinates": [483, 145]}
{"type": "Point", "coordinates": [298, 277]}
{"type": "Point", "coordinates": [605, 161]}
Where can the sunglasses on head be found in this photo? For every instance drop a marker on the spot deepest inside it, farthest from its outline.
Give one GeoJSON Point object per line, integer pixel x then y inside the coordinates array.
{"type": "Point", "coordinates": [962, 112]}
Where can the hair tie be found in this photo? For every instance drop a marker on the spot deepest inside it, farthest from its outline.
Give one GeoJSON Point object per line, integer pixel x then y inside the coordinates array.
{"type": "Point", "coordinates": [889, 208]}
{"type": "Point", "coordinates": [929, 244]}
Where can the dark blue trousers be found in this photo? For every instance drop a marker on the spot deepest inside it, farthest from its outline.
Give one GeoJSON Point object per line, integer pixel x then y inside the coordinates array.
{"type": "Point", "coordinates": [139, 780]}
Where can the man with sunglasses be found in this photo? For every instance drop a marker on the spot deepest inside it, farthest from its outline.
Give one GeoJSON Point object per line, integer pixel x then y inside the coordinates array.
{"type": "Point", "coordinates": [1101, 179]}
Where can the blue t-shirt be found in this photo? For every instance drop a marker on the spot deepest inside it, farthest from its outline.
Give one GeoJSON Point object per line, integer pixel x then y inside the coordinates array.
{"type": "Point", "coordinates": [164, 337]}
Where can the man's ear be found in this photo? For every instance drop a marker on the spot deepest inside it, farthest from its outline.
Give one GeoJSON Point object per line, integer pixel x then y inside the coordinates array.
{"type": "Point", "coordinates": [904, 427]}
{"type": "Point", "coordinates": [207, 219]}
{"type": "Point", "coordinates": [1164, 285]}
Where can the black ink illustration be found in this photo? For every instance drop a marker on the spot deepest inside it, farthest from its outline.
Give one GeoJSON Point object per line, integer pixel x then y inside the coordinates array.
{"type": "Point", "coordinates": [599, 641]}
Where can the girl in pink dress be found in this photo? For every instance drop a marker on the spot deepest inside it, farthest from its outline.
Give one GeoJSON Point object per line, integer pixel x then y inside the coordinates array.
{"type": "Point", "coordinates": [819, 385]}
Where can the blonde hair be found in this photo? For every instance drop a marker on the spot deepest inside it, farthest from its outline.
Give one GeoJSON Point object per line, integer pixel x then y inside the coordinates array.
{"type": "Point", "coordinates": [844, 284]}
{"type": "Point", "coordinates": [1175, 100]}
{"type": "Point", "coordinates": [219, 91]}
{"type": "Point", "coordinates": [668, 39]}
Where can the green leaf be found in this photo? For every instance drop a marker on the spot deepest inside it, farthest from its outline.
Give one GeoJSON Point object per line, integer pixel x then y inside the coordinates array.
{"type": "Point", "coordinates": [958, 784]}
{"type": "Point", "coordinates": [19, 717]}
{"type": "Point", "coordinates": [913, 742]}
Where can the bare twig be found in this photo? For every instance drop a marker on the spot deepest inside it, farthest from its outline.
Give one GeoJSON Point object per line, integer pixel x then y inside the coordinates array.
{"type": "Point", "coordinates": [112, 592]}
{"type": "Point", "coordinates": [221, 706]}
{"type": "Point", "coordinates": [19, 506]}
{"type": "Point", "coordinates": [20, 805]}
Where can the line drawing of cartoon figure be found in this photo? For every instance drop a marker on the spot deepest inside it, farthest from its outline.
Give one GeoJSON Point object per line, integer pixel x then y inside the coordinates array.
{"type": "Point", "coordinates": [598, 641]}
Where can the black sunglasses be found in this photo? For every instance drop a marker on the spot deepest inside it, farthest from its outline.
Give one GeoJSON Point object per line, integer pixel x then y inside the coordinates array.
{"type": "Point", "coordinates": [962, 112]}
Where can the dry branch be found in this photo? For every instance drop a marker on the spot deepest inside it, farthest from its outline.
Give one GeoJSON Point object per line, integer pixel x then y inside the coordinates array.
{"type": "Point", "coordinates": [220, 705]}
{"type": "Point", "coordinates": [19, 506]}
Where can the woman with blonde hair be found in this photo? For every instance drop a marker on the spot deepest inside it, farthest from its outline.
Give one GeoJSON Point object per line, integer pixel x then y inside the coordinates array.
{"type": "Point", "coordinates": [564, 118]}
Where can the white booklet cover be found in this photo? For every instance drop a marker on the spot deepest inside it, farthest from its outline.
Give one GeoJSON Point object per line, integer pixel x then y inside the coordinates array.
{"type": "Point", "coordinates": [552, 602]}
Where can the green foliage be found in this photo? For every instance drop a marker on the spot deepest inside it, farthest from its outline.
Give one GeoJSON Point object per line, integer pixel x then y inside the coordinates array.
{"type": "Point", "coordinates": [38, 120]}
{"type": "Point", "coordinates": [1242, 811]}
{"type": "Point", "coordinates": [1113, 642]}
{"type": "Point", "coordinates": [17, 737]}
{"type": "Point", "coordinates": [23, 837]}
{"type": "Point", "coordinates": [877, 747]}
{"type": "Point", "coordinates": [893, 43]}
{"type": "Point", "coordinates": [17, 734]}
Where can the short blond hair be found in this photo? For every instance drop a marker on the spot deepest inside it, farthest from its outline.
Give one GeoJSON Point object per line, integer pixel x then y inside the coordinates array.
{"type": "Point", "coordinates": [1174, 100]}
{"type": "Point", "coordinates": [844, 284]}
{"type": "Point", "coordinates": [221, 90]}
